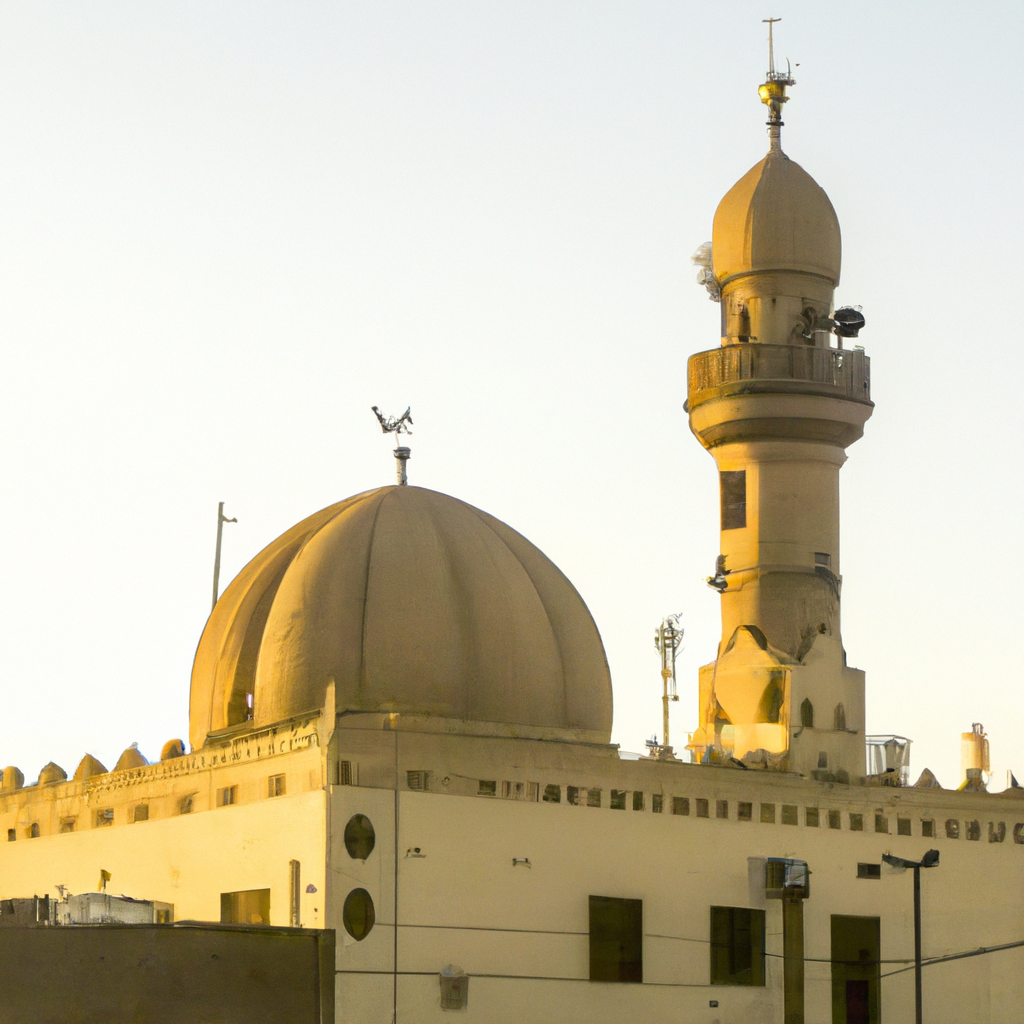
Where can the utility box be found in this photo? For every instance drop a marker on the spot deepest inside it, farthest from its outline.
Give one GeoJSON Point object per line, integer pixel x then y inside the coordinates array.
{"type": "Point", "coordinates": [786, 879]}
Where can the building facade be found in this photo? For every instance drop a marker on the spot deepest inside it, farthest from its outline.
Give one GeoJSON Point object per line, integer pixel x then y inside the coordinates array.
{"type": "Point", "coordinates": [400, 727]}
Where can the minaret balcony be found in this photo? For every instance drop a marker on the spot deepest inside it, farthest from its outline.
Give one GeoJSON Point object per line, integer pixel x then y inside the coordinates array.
{"type": "Point", "coordinates": [753, 368]}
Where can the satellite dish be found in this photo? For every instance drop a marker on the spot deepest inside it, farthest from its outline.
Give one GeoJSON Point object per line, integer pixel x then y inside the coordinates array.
{"type": "Point", "coordinates": [849, 321]}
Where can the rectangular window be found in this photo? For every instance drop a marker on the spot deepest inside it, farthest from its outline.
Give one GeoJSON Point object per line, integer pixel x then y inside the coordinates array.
{"type": "Point", "coordinates": [927, 829]}
{"type": "Point", "coordinates": [734, 499]}
{"type": "Point", "coordinates": [821, 558]}
{"type": "Point", "coordinates": [347, 773]}
{"type": "Point", "coordinates": [869, 870]}
{"type": "Point", "coordinates": [553, 794]}
{"type": "Point", "coordinates": [680, 805]}
{"type": "Point", "coordinates": [163, 916]}
{"type": "Point", "coordinates": [251, 906]}
{"type": "Point", "coordinates": [721, 808]}
{"type": "Point", "coordinates": [185, 804]}
{"type": "Point", "coordinates": [657, 802]}
{"type": "Point", "coordinates": [593, 798]}
{"type": "Point", "coordinates": [856, 822]}
{"type": "Point", "coordinates": [822, 758]}
{"type": "Point", "coordinates": [811, 817]}
{"type": "Point", "coordinates": [835, 819]}
{"type": "Point", "coordinates": [105, 817]}
{"type": "Point", "coordinates": [616, 939]}
{"type": "Point", "coordinates": [12, 835]}
{"type": "Point", "coordinates": [227, 796]}
{"type": "Point", "coordinates": [745, 811]}
{"type": "Point", "coordinates": [903, 827]}
{"type": "Point", "coordinates": [952, 828]}
{"type": "Point", "coordinates": [275, 785]}
{"type": "Point", "coordinates": [881, 823]}
{"type": "Point", "coordinates": [702, 807]}
{"type": "Point", "coordinates": [572, 795]}
{"type": "Point", "coordinates": [737, 946]}
{"type": "Point", "coordinates": [768, 814]}
{"type": "Point", "coordinates": [488, 787]}
{"type": "Point", "coordinates": [789, 815]}
{"type": "Point", "coordinates": [67, 824]}
{"type": "Point", "coordinates": [638, 800]}
{"type": "Point", "coordinates": [973, 830]}
{"type": "Point", "coordinates": [533, 792]}
{"type": "Point", "coordinates": [140, 812]}
{"type": "Point", "coordinates": [618, 800]}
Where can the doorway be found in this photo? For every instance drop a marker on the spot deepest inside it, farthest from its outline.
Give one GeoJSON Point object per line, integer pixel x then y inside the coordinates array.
{"type": "Point", "coordinates": [856, 970]}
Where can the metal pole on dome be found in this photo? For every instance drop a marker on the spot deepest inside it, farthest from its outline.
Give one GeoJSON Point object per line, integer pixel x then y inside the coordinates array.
{"type": "Point", "coordinates": [773, 91]}
{"type": "Point", "coordinates": [221, 520]}
{"type": "Point", "coordinates": [397, 425]}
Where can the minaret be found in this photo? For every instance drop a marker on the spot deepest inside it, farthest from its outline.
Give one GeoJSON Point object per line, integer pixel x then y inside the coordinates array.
{"type": "Point", "coordinates": [777, 404]}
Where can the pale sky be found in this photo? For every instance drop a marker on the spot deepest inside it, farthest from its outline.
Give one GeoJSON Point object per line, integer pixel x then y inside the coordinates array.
{"type": "Point", "coordinates": [228, 229]}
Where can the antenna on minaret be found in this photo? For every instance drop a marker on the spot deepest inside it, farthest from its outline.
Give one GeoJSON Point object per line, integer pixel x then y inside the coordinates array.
{"type": "Point", "coordinates": [667, 638]}
{"type": "Point", "coordinates": [773, 91]}
{"type": "Point", "coordinates": [397, 425]}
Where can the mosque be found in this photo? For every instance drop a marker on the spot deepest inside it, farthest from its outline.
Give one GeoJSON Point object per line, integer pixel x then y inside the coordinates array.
{"type": "Point", "coordinates": [400, 723]}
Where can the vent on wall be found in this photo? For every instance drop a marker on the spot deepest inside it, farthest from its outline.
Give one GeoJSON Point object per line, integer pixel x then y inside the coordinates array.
{"type": "Point", "coordinates": [418, 780]}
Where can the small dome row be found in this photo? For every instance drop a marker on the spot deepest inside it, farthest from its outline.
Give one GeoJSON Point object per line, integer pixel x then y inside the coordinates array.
{"type": "Point", "coordinates": [14, 778]}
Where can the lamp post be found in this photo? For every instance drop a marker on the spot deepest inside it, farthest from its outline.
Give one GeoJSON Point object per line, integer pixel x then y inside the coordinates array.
{"type": "Point", "coordinates": [929, 860]}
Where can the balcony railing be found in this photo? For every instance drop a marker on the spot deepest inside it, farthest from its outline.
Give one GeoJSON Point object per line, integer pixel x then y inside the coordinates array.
{"type": "Point", "coordinates": [841, 372]}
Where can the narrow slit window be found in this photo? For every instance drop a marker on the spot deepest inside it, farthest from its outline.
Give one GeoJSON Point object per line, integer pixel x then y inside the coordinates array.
{"type": "Point", "coordinates": [734, 499]}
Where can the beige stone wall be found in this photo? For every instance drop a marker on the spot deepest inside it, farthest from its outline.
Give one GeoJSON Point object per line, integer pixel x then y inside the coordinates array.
{"type": "Point", "coordinates": [184, 859]}
{"type": "Point", "coordinates": [522, 933]}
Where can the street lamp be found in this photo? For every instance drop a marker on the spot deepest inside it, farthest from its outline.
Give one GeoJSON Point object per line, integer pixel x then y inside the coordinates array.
{"type": "Point", "coordinates": [929, 860]}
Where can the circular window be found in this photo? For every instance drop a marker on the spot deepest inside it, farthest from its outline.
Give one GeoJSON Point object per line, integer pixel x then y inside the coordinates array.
{"type": "Point", "coordinates": [358, 915]}
{"type": "Point", "coordinates": [359, 837]}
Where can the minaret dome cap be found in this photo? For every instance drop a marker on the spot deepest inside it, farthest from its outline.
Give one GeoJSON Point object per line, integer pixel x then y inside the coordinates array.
{"type": "Point", "coordinates": [776, 219]}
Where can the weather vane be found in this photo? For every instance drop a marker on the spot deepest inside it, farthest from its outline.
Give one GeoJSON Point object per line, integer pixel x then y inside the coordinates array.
{"type": "Point", "coordinates": [773, 91]}
{"type": "Point", "coordinates": [397, 425]}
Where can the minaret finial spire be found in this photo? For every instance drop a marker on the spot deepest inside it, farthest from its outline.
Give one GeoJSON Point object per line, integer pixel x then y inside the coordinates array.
{"type": "Point", "coordinates": [773, 91]}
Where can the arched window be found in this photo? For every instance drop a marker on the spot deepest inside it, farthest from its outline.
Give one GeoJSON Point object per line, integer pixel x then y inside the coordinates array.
{"type": "Point", "coordinates": [840, 719]}
{"type": "Point", "coordinates": [33, 832]}
{"type": "Point", "coordinates": [807, 714]}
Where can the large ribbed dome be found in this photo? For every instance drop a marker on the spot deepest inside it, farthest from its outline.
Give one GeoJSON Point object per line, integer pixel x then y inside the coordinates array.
{"type": "Point", "coordinates": [776, 218]}
{"type": "Point", "coordinates": [410, 601]}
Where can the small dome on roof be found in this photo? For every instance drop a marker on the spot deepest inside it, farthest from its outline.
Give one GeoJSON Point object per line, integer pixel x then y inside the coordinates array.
{"type": "Point", "coordinates": [409, 601]}
{"type": "Point", "coordinates": [51, 773]}
{"type": "Point", "coordinates": [88, 767]}
{"type": "Point", "coordinates": [11, 778]}
{"type": "Point", "coordinates": [172, 749]}
{"type": "Point", "coordinates": [776, 218]}
{"type": "Point", "coordinates": [131, 758]}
